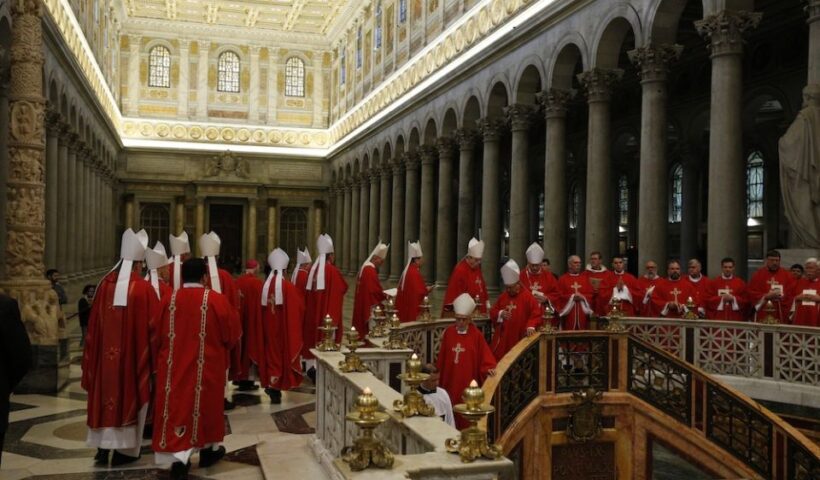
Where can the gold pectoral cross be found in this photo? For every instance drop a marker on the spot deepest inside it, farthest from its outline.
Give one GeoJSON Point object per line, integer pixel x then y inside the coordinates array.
{"type": "Point", "coordinates": [458, 349]}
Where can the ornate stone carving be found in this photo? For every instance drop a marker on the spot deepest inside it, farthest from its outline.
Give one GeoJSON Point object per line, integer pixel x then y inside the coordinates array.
{"type": "Point", "coordinates": [724, 30]}
{"type": "Point", "coordinates": [26, 122]}
{"type": "Point", "coordinates": [466, 138]}
{"type": "Point", "coordinates": [598, 83]}
{"type": "Point", "coordinates": [227, 164]}
{"type": "Point", "coordinates": [398, 167]}
{"type": "Point", "coordinates": [444, 145]}
{"type": "Point", "coordinates": [585, 419]}
{"type": "Point", "coordinates": [491, 128]}
{"type": "Point", "coordinates": [411, 161]}
{"type": "Point", "coordinates": [520, 116]}
{"type": "Point", "coordinates": [375, 175]}
{"type": "Point", "coordinates": [428, 154]}
{"type": "Point", "coordinates": [554, 101]}
{"type": "Point", "coordinates": [653, 60]}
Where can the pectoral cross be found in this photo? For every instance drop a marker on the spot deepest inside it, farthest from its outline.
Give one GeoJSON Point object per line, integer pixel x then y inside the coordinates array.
{"type": "Point", "coordinates": [536, 286]}
{"type": "Point", "coordinates": [575, 286]}
{"type": "Point", "coordinates": [774, 286]}
{"type": "Point", "coordinates": [675, 292]}
{"type": "Point", "coordinates": [478, 282]}
{"type": "Point", "coordinates": [511, 307]}
{"type": "Point", "coordinates": [458, 349]}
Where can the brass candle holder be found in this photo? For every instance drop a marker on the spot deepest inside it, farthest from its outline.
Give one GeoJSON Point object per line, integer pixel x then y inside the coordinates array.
{"type": "Point", "coordinates": [390, 307]}
{"type": "Point", "coordinates": [615, 314]}
{"type": "Point", "coordinates": [615, 308]}
{"type": "Point", "coordinates": [366, 449]}
{"type": "Point", "coordinates": [394, 342]}
{"type": "Point", "coordinates": [425, 315]}
{"type": "Point", "coordinates": [352, 362]}
{"type": "Point", "coordinates": [691, 310]}
{"type": "Point", "coordinates": [380, 319]}
{"type": "Point", "coordinates": [769, 309]}
{"type": "Point", "coordinates": [413, 403]}
{"type": "Point", "coordinates": [328, 329]}
{"type": "Point", "coordinates": [548, 317]}
{"type": "Point", "coordinates": [472, 443]}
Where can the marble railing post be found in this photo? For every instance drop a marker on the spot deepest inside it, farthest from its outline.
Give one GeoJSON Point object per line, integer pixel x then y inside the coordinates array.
{"type": "Point", "coordinates": [466, 188]}
{"type": "Point", "coordinates": [411, 193]}
{"type": "Point", "coordinates": [385, 210]}
{"type": "Point", "coordinates": [445, 229]}
{"type": "Point", "coordinates": [427, 219]}
{"type": "Point", "coordinates": [491, 129]}
{"type": "Point", "coordinates": [373, 221]}
{"type": "Point", "coordinates": [52, 179]}
{"type": "Point", "coordinates": [555, 182]}
{"type": "Point", "coordinates": [653, 61]}
{"type": "Point", "coordinates": [62, 200]}
{"type": "Point", "coordinates": [347, 224]}
{"type": "Point", "coordinates": [72, 207]}
{"type": "Point", "coordinates": [599, 203]}
{"type": "Point", "coordinates": [726, 225]}
{"type": "Point", "coordinates": [182, 87]}
{"type": "Point", "coordinates": [364, 219]}
{"type": "Point", "coordinates": [520, 117]}
{"type": "Point", "coordinates": [397, 244]}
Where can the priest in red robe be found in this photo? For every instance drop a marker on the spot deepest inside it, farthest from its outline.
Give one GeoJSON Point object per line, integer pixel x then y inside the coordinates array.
{"type": "Point", "coordinates": [622, 285]}
{"type": "Point", "coordinates": [806, 305]}
{"type": "Point", "coordinates": [198, 327]}
{"type": "Point", "coordinates": [412, 289]}
{"type": "Point", "coordinates": [699, 282]}
{"type": "Point", "coordinates": [515, 314]}
{"type": "Point", "coordinates": [117, 356]}
{"type": "Point", "coordinates": [670, 296]}
{"type": "Point", "coordinates": [464, 355]}
{"type": "Point", "coordinates": [326, 291]}
{"type": "Point", "coordinates": [299, 277]}
{"type": "Point", "coordinates": [597, 273]}
{"type": "Point", "coordinates": [249, 286]}
{"type": "Point", "coordinates": [467, 278]}
{"type": "Point", "coordinates": [647, 282]}
{"type": "Point", "coordinates": [180, 251]}
{"type": "Point", "coordinates": [771, 283]}
{"type": "Point", "coordinates": [538, 279]}
{"type": "Point", "coordinates": [283, 312]}
{"type": "Point", "coordinates": [726, 295]}
{"type": "Point", "coordinates": [575, 296]}
{"type": "Point", "coordinates": [369, 291]}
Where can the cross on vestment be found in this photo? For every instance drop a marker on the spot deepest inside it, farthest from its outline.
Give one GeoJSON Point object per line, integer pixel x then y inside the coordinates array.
{"type": "Point", "coordinates": [575, 286]}
{"type": "Point", "coordinates": [511, 307]}
{"type": "Point", "coordinates": [536, 286]}
{"type": "Point", "coordinates": [478, 282]}
{"type": "Point", "coordinates": [458, 349]}
{"type": "Point", "coordinates": [675, 292]}
{"type": "Point", "coordinates": [774, 286]}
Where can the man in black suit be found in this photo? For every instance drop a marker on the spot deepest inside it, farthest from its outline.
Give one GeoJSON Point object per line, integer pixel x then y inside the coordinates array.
{"type": "Point", "coordinates": [15, 357]}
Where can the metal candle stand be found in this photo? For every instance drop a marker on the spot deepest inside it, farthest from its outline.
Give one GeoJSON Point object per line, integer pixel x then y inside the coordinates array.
{"type": "Point", "coordinates": [472, 443]}
{"type": "Point", "coordinates": [352, 362]}
{"type": "Point", "coordinates": [413, 403]}
{"type": "Point", "coordinates": [366, 449]}
{"type": "Point", "coordinates": [328, 343]}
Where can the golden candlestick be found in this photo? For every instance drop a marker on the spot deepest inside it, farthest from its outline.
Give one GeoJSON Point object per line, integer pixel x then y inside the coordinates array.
{"type": "Point", "coordinates": [548, 317]}
{"type": "Point", "coordinates": [328, 343]}
{"type": "Point", "coordinates": [691, 310]}
{"type": "Point", "coordinates": [380, 319]}
{"type": "Point", "coordinates": [413, 402]}
{"type": "Point", "coordinates": [352, 362]}
{"type": "Point", "coordinates": [769, 309]}
{"type": "Point", "coordinates": [394, 342]}
{"type": "Point", "coordinates": [366, 450]}
{"type": "Point", "coordinates": [472, 443]}
{"type": "Point", "coordinates": [425, 315]}
{"type": "Point", "coordinates": [615, 310]}
{"type": "Point", "coordinates": [615, 314]}
{"type": "Point", "coordinates": [390, 307]}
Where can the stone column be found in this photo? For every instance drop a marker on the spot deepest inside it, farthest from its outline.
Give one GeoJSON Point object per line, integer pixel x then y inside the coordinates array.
{"type": "Point", "coordinates": [338, 211]}
{"type": "Point", "coordinates": [252, 250]}
{"type": "Point", "coordinates": [466, 188]}
{"type": "Point", "coordinates": [689, 211]}
{"type": "Point", "coordinates": [653, 61]}
{"type": "Point", "coordinates": [200, 221]}
{"type": "Point", "coordinates": [52, 179]}
{"type": "Point", "coordinates": [253, 88]}
{"type": "Point", "coordinates": [397, 244]}
{"type": "Point", "coordinates": [491, 129]}
{"type": "Point", "coordinates": [97, 222]}
{"type": "Point", "coordinates": [85, 211]}
{"type": "Point", "coordinates": [62, 200]}
{"type": "Point", "coordinates": [726, 226]}
{"type": "Point", "coordinates": [179, 218]}
{"type": "Point", "coordinates": [520, 117]}
{"type": "Point", "coordinates": [445, 229]}
{"type": "Point", "coordinates": [347, 227]}
{"type": "Point", "coordinates": [129, 211]}
{"type": "Point", "coordinates": [599, 203]}
{"type": "Point", "coordinates": [272, 225]}
{"type": "Point", "coordinates": [555, 178]}
{"type": "Point", "coordinates": [364, 218]}
{"type": "Point", "coordinates": [318, 94]}
{"type": "Point", "coordinates": [202, 80]}
{"type": "Point", "coordinates": [385, 210]}
{"type": "Point", "coordinates": [133, 75]}
{"type": "Point", "coordinates": [411, 208]}
{"type": "Point", "coordinates": [184, 82]}
{"type": "Point", "coordinates": [427, 220]}
{"type": "Point", "coordinates": [273, 86]}
{"type": "Point", "coordinates": [373, 221]}
{"type": "Point", "coordinates": [812, 90]}
{"type": "Point", "coordinates": [74, 146]}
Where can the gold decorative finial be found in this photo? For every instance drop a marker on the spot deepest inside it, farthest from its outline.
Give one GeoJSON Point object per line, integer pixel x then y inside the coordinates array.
{"type": "Point", "coordinates": [425, 315]}
{"type": "Point", "coordinates": [366, 449]}
{"type": "Point", "coordinates": [691, 310]}
{"type": "Point", "coordinates": [328, 329]}
{"type": "Point", "coordinates": [769, 309]}
{"type": "Point", "coordinates": [413, 402]}
{"type": "Point", "coordinates": [352, 362]}
{"type": "Point", "coordinates": [472, 443]}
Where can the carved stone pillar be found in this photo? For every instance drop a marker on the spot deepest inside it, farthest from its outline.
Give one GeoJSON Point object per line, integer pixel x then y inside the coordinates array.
{"type": "Point", "coordinates": [466, 188]}
{"type": "Point", "coordinates": [364, 218]}
{"type": "Point", "coordinates": [599, 203]}
{"type": "Point", "coordinates": [427, 224]}
{"type": "Point", "coordinates": [202, 80]}
{"type": "Point", "coordinates": [373, 221]}
{"type": "Point", "coordinates": [52, 159]}
{"type": "Point", "coordinates": [200, 221]}
{"type": "Point", "coordinates": [62, 199]}
{"type": "Point", "coordinates": [253, 90]}
{"type": "Point", "coordinates": [179, 217]}
{"type": "Point", "coordinates": [491, 129]}
{"type": "Point", "coordinates": [338, 212]}
{"type": "Point", "coordinates": [85, 214]}
{"type": "Point", "coordinates": [97, 222]}
{"type": "Point", "coordinates": [520, 117]}
{"type": "Point", "coordinates": [385, 210]}
{"type": "Point", "coordinates": [182, 87]}
{"type": "Point", "coordinates": [134, 42]}
{"type": "Point", "coordinates": [272, 224]}
{"type": "Point", "coordinates": [445, 230]}
{"type": "Point", "coordinates": [397, 243]}
{"type": "Point", "coordinates": [726, 226]}
{"type": "Point", "coordinates": [411, 193]}
{"type": "Point", "coordinates": [252, 250]}
{"type": "Point", "coordinates": [347, 227]}
{"type": "Point", "coordinates": [72, 256]}
{"type": "Point", "coordinates": [653, 61]}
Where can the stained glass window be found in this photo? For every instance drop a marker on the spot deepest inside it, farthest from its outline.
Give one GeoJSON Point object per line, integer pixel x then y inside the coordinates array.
{"type": "Point", "coordinates": [228, 69]}
{"type": "Point", "coordinates": [295, 77]}
{"type": "Point", "coordinates": [623, 200]}
{"type": "Point", "coordinates": [754, 185]}
{"type": "Point", "coordinates": [402, 11]}
{"type": "Point", "coordinates": [676, 199]}
{"type": "Point", "coordinates": [378, 37]}
{"type": "Point", "coordinates": [574, 206]}
{"type": "Point", "coordinates": [159, 67]}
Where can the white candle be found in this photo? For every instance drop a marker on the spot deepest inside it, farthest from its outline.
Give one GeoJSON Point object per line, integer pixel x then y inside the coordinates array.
{"type": "Point", "coordinates": [367, 391]}
{"type": "Point", "coordinates": [473, 384]}
{"type": "Point", "coordinates": [414, 357]}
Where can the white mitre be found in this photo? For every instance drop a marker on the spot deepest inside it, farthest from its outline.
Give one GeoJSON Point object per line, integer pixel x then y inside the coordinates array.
{"type": "Point", "coordinates": [209, 244]}
{"type": "Point", "coordinates": [278, 261]}
{"type": "Point", "coordinates": [510, 273]}
{"type": "Point", "coordinates": [379, 251]}
{"type": "Point", "coordinates": [132, 249]}
{"type": "Point", "coordinates": [324, 245]}
{"type": "Point", "coordinates": [413, 251]}
{"type": "Point", "coordinates": [463, 305]}
{"type": "Point", "coordinates": [302, 257]}
{"type": "Point", "coordinates": [179, 246]}
{"type": "Point", "coordinates": [535, 254]}
{"type": "Point", "coordinates": [155, 258]}
{"type": "Point", "coordinates": [475, 248]}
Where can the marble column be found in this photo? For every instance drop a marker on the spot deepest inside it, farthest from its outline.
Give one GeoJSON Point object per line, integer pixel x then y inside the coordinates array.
{"type": "Point", "coordinates": [129, 212]}
{"type": "Point", "coordinates": [466, 188]}
{"type": "Point", "coordinates": [599, 205]}
{"type": "Point", "coordinates": [347, 224]}
{"type": "Point", "coordinates": [62, 200]}
{"type": "Point", "coordinates": [520, 117]}
{"type": "Point", "coordinates": [364, 218]}
{"type": "Point", "coordinates": [411, 193]}
{"type": "Point", "coordinates": [252, 250]}
{"type": "Point", "coordinates": [133, 75]}
{"type": "Point", "coordinates": [338, 212]}
{"type": "Point", "coordinates": [85, 214]}
{"type": "Point", "coordinates": [385, 210]}
{"type": "Point", "coordinates": [272, 225]}
{"type": "Point", "coordinates": [202, 80]}
{"type": "Point", "coordinates": [491, 130]}
{"type": "Point", "coordinates": [72, 264]}
{"type": "Point", "coordinates": [179, 218]}
{"type": "Point", "coordinates": [445, 229]}
{"type": "Point", "coordinates": [427, 220]}
{"type": "Point", "coordinates": [555, 178]}
{"type": "Point", "coordinates": [355, 216]}
{"type": "Point", "coordinates": [200, 222]}
{"type": "Point", "coordinates": [652, 62]}
{"type": "Point", "coordinates": [99, 206]}
{"type": "Point", "coordinates": [398, 246]}
{"type": "Point", "coordinates": [78, 226]}
{"type": "Point", "coordinates": [253, 88]}
{"type": "Point", "coordinates": [52, 179]}
{"type": "Point", "coordinates": [318, 93]}
{"type": "Point", "coordinates": [726, 225]}
{"type": "Point", "coordinates": [273, 87]}
{"type": "Point", "coordinates": [373, 221]}
{"type": "Point", "coordinates": [184, 82]}
{"type": "Point", "coordinates": [689, 211]}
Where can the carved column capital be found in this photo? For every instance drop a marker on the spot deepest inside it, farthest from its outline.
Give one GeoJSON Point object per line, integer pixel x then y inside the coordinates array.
{"type": "Point", "coordinates": [653, 60]}
{"type": "Point", "coordinates": [134, 42]}
{"type": "Point", "coordinates": [428, 154]}
{"type": "Point", "coordinates": [598, 83]}
{"type": "Point", "coordinates": [73, 141]}
{"type": "Point", "coordinates": [520, 116]}
{"type": "Point", "coordinates": [397, 166]}
{"type": "Point", "coordinates": [411, 161]}
{"type": "Point", "coordinates": [491, 128]}
{"type": "Point", "coordinates": [466, 138]}
{"type": "Point", "coordinates": [375, 175]}
{"type": "Point", "coordinates": [184, 44]}
{"type": "Point", "coordinates": [724, 30]}
{"type": "Point", "coordinates": [813, 10]}
{"type": "Point", "coordinates": [444, 145]}
{"type": "Point", "coordinates": [53, 123]}
{"type": "Point", "coordinates": [554, 101]}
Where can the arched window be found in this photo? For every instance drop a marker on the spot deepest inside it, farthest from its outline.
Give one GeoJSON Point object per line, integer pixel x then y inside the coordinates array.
{"type": "Point", "coordinates": [623, 200]}
{"type": "Point", "coordinates": [155, 219]}
{"type": "Point", "coordinates": [754, 185]}
{"type": "Point", "coordinates": [359, 47]}
{"type": "Point", "coordinates": [574, 205]}
{"type": "Point", "coordinates": [295, 77]}
{"type": "Point", "coordinates": [342, 66]}
{"type": "Point", "coordinates": [228, 71]}
{"type": "Point", "coordinates": [402, 11]}
{"type": "Point", "coordinates": [159, 67]}
{"type": "Point", "coordinates": [676, 194]}
{"type": "Point", "coordinates": [378, 35]}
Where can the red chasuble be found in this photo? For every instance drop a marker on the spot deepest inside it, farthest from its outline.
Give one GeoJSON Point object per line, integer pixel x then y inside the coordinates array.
{"type": "Point", "coordinates": [805, 313]}
{"type": "Point", "coordinates": [669, 291]}
{"type": "Point", "coordinates": [630, 292]}
{"type": "Point", "coordinates": [526, 313]}
{"type": "Point", "coordinates": [465, 280]}
{"type": "Point", "coordinates": [232, 295]}
{"type": "Point", "coordinates": [596, 279]}
{"type": "Point", "coordinates": [323, 302]}
{"type": "Point", "coordinates": [761, 284]}
{"type": "Point", "coordinates": [165, 289]}
{"type": "Point", "coordinates": [544, 282]}
{"type": "Point", "coordinates": [410, 294]}
{"type": "Point", "coordinates": [283, 338]}
{"type": "Point", "coordinates": [647, 309]}
{"type": "Point", "coordinates": [250, 314]}
{"type": "Point", "coordinates": [301, 280]}
{"type": "Point", "coordinates": [369, 292]}
{"type": "Point", "coordinates": [462, 359]}
{"type": "Point", "coordinates": [117, 354]}
{"type": "Point", "coordinates": [717, 309]}
{"type": "Point", "coordinates": [188, 400]}
{"type": "Point", "coordinates": [574, 313]}
{"type": "Point", "coordinates": [701, 287]}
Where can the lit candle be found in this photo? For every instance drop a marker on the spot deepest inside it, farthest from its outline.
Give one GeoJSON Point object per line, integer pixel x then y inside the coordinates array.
{"type": "Point", "coordinates": [367, 390]}
{"type": "Point", "coordinates": [352, 329]}
{"type": "Point", "coordinates": [416, 357]}
{"type": "Point", "coordinates": [689, 300]}
{"type": "Point", "coordinates": [473, 384]}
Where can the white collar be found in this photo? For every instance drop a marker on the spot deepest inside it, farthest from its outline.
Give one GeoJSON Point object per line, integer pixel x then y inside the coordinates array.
{"type": "Point", "coordinates": [192, 285]}
{"type": "Point", "coordinates": [727, 278]}
{"type": "Point", "coordinates": [695, 280]}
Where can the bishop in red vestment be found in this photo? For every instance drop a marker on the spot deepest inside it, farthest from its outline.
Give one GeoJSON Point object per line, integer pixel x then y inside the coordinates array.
{"type": "Point", "coordinates": [538, 279]}
{"type": "Point", "coordinates": [249, 286]}
{"type": "Point", "coordinates": [464, 355]}
{"type": "Point", "coordinates": [670, 296]}
{"type": "Point", "coordinates": [700, 283]}
{"type": "Point", "coordinates": [515, 314]}
{"type": "Point", "coordinates": [597, 273]}
{"type": "Point", "coordinates": [412, 289]}
{"type": "Point", "coordinates": [117, 356]}
{"type": "Point", "coordinates": [622, 285]}
{"type": "Point", "coordinates": [369, 291]}
{"type": "Point", "coordinates": [299, 277]}
{"type": "Point", "coordinates": [575, 296]}
{"type": "Point", "coordinates": [180, 251]}
{"type": "Point", "coordinates": [647, 282]}
{"type": "Point", "coordinates": [198, 327]}
{"type": "Point", "coordinates": [771, 282]}
{"type": "Point", "coordinates": [467, 278]}
{"type": "Point", "coordinates": [326, 293]}
{"type": "Point", "coordinates": [726, 295]}
{"type": "Point", "coordinates": [806, 305]}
